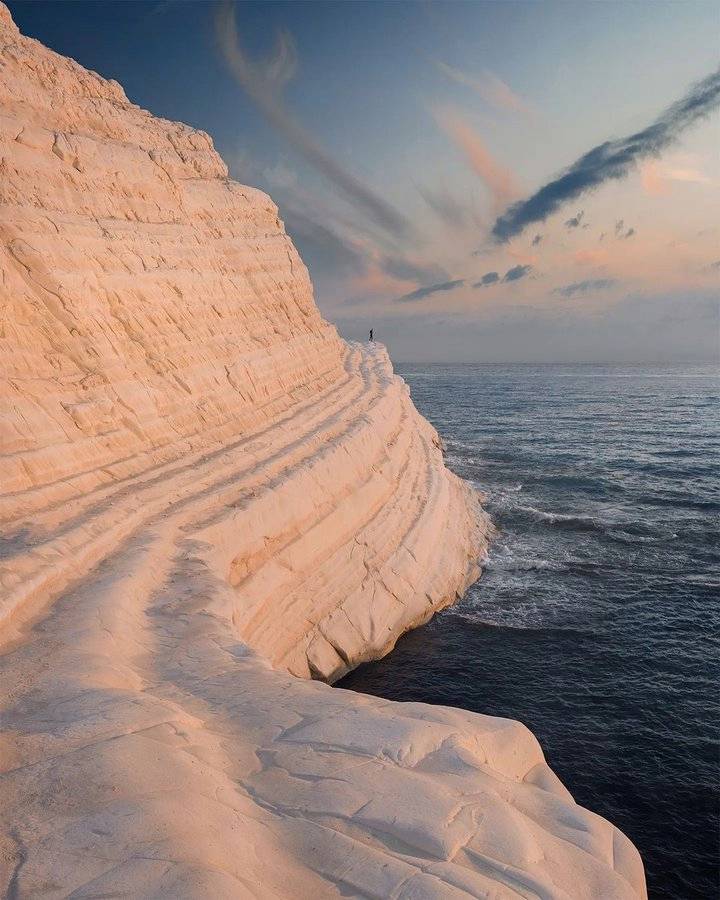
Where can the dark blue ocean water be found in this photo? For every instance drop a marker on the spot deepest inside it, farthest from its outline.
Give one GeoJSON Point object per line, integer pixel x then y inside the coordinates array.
{"type": "Point", "coordinates": [596, 621]}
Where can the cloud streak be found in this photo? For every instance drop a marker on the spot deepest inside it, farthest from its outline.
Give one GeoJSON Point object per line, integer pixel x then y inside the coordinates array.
{"type": "Point", "coordinates": [333, 247]}
{"type": "Point", "coordinates": [423, 292]}
{"type": "Point", "coordinates": [407, 270]}
{"type": "Point", "coordinates": [611, 160]}
{"type": "Point", "coordinates": [585, 287]}
{"type": "Point", "coordinates": [658, 178]}
{"type": "Point", "coordinates": [499, 181]}
{"type": "Point", "coordinates": [262, 83]}
{"type": "Point", "coordinates": [491, 88]}
{"type": "Point", "coordinates": [321, 246]}
{"type": "Point", "coordinates": [447, 208]}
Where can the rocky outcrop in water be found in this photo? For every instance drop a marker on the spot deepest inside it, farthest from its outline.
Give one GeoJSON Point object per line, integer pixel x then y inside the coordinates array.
{"type": "Point", "coordinates": [206, 494]}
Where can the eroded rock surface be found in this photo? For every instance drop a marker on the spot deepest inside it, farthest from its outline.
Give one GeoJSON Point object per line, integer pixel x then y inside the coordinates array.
{"type": "Point", "coordinates": [205, 494]}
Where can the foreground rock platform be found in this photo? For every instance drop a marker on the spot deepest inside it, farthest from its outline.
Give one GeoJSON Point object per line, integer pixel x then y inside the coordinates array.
{"type": "Point", "coordinates": [211, 505]}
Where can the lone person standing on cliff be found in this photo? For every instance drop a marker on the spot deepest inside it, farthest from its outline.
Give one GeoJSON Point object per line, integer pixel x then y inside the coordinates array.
{"type": "Point", "coordinates": [371, 334]}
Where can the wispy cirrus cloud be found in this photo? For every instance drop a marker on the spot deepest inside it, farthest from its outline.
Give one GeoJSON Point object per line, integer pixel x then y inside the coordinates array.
{"type": "Point", "coordinates": [611, 160]}
{"type": "Point", "coordinates": [423, 292]}
{"type": "Point", "coordinates": [322, 247]}
{"type": "Point", "coordinates": [334, 247]}
{"type": "Point", "coordinates": [492, 89]}
{"type": "Point", "coordinates": [585, 287]}
{"type": "Point", "coordinates": [443, 205]}
{"type": "Point", "coordinates": [657, 178]}
{"type": "Point", "coordinates": [448, 208]}
{"type": "Point", "coordinates": [405, 269]}
{"type": "Point", "coordinates": [499, 180]}
{"type": "Point", "coordinates": [263, 82]}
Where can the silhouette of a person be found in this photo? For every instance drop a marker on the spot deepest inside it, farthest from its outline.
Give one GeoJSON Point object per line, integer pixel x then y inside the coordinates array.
{"type": "Point", "coordinates": [371, 334]}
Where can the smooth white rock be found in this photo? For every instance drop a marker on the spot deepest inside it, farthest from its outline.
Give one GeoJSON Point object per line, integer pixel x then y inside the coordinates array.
{"type": "Point", "coordinates": [206, 493]}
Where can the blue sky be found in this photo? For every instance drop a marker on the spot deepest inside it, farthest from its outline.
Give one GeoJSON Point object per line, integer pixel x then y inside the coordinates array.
{"type": "Point", "coordinates": [445, 113]}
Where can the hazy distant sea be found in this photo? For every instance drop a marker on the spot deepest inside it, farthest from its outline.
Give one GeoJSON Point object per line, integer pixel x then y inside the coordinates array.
{"type": "Point", "coordinates": [597, 619]}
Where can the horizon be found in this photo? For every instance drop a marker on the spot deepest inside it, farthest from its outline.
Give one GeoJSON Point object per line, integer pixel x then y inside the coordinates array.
{"type": "Point", "coordinates": [595, 363]}
{"type": "Point", "coordinates": [414, 151]}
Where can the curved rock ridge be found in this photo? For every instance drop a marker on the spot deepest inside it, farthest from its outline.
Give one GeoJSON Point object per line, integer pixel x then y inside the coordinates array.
{"type": "Point", "coordinates": [205, 494]}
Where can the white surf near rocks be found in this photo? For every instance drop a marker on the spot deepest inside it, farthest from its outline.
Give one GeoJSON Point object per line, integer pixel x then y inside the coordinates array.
{"type": "Point", "coordinates": [208, 500]}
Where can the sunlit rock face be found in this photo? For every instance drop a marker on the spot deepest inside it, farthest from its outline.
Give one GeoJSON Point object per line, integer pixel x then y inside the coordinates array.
{"type": "Point", "coordinates": [205, 494]}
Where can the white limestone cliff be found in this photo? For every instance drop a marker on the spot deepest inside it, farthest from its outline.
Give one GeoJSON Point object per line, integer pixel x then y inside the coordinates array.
{"type": "Point", "coordinates": [208, 500]}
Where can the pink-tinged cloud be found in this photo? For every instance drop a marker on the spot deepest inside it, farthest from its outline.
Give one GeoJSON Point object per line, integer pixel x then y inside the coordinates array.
{"type": "Point", "coordinates": [520, 254]}
{"type": "Point", "coordinates": [652, 181]}
{"type": "Point", "coordinates": [591, 257]}
{"type": "Point", "coordinates": [644, 262]}
{"type": "Point", "coordinates": [657, 177]}
{"type": "Point", "coordinates": [499, 180]}
{"type": "Point", "coordinates": [491, 88]}
{"type": "Point", "coordinates": [375, 282]}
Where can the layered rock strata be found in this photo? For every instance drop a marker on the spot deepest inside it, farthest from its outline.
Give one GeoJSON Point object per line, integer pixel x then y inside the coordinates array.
{"type": "Point", "coordinates": [209, 500]}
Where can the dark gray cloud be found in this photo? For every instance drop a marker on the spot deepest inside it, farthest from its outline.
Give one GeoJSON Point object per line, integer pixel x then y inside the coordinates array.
{"type": "Point", "coordinates": [611, 160]}
{"type": "Point", "coordinates": [488, 278]}
{"type": "Point", "coordinates": [516, 273]}
{"type": "Point", "coordinates": [629, 233]}
{"type": "Point", "coordinates": [262, 83]}
{"type": "Point", "coordinates": [423, 292]}
{"type": "Point", "coordinates": [715, 265]}
{"type": "Point", "coordinates": [575, 221]}
{"type": "Point", "coordinates": [536, 240]}
{"type": "Point", "coordinates": [619, 226]}
{"type": "Point", "coordinates": [585, 287]}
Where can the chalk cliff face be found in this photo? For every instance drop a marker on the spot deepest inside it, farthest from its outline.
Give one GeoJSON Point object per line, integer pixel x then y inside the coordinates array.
{"type": "Point", "coordinates": [206, 493]}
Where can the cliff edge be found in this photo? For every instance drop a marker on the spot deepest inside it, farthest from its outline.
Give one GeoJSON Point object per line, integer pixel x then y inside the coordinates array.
{"type": "Point", "coordinates": [209, 502]}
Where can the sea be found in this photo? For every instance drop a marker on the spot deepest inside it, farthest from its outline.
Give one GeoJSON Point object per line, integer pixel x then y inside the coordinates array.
{"type": "Point", "coordinates": [596, 620]}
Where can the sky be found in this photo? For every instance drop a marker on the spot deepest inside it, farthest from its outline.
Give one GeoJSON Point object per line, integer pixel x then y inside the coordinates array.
{"type": "Point", "coordinates": [478, 182]}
